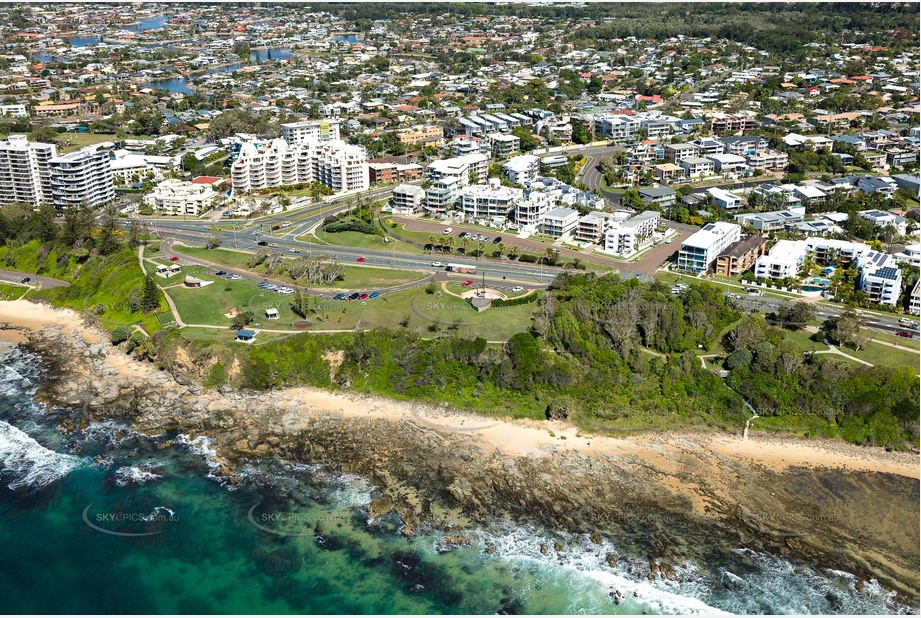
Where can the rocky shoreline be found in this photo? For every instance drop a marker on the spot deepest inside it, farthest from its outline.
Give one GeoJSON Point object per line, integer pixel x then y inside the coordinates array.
{"type": "Point", "coordinates": [671, 499]}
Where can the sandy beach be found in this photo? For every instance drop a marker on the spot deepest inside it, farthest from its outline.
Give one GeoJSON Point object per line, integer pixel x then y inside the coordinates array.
{"type": "Point", "coordinates": [514, 438]}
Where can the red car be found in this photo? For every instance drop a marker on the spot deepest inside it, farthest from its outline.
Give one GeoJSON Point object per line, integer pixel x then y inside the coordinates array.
{"type": "Point", "coordinates": [361, 259]}
{"type": "Point", "coordinates": [904, 333]}
{"type": "Point", "coordinates": [276, 227]}
{"type": "Point", "coordinates": [467, 283]}
{"type": "Point", "coordinates": [174, 259]}
{"type": "Point", "coordinates": [364, 296]}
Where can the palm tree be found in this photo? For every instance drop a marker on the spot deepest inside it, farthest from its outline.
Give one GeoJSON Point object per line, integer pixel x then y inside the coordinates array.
{"type": "Point", "coordinates": [449, 242]}
{"type": "Point", "coordinates": [514, 252]}
{"type": "Point", "coordinates": [433, 240]}
{"type": "Point", "coordinates": [500, 249]}
{"type": "Point", "coordinates": [466, 243]}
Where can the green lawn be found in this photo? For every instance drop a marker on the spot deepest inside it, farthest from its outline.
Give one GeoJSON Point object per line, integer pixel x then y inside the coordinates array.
{"type": "Point", "coordinates": [802, 341]}
{"type": "Point", "coordinates": [361, 241]}
{"type": "Point", "coordinates": [427, 314]}
{"type": "Point", "coordinates": [208, 305]}
{"type": "Point", "coordinates": [884, 355]}
{"type": "Point", "coordinates": [79, 140]}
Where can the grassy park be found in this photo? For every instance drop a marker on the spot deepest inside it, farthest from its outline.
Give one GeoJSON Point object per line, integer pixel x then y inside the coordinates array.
{"type": "Point", "coordinates": [416, 309]}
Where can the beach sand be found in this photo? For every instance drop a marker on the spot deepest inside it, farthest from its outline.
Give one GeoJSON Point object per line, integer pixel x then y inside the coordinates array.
{"type": "Point", "coordinates": [669, 451]}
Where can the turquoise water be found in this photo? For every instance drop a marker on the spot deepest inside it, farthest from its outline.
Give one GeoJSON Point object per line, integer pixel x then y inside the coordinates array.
{"type": "Point", "coordinates": [293, 539]}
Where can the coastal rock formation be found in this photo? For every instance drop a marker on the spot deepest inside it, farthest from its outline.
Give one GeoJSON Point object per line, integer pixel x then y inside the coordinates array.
{"type": "Point", "coordinates": [670, 498]}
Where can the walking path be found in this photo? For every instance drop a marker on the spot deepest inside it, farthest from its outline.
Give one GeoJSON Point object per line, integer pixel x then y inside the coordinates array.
{"type": "Point", "coordinates": [833, 350]}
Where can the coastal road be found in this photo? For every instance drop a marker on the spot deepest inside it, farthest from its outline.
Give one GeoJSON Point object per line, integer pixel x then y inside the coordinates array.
{"type": "Point", "coordinates": [39, 281]}
{"type": "Point", "coordinates": [493, 277]}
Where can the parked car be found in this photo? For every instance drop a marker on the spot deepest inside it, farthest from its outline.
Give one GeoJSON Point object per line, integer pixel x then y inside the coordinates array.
{"type": "Point", "coordinates": [374, 295]}
{"type": "Point", "coordinates": [339, 296]}
{"type": "Point", "coordinates": [517, 288]}
{"type": "Point", "coordinates": [467, 283]}
{"type": "Point", "coordinates": [904, 333]}
{"type": "Point", "coordinates": [354, 296]}
{"type": "Point", "coordinates": [484, 238]}
{"type": "Point", "coordinates": [668, 241]}
{"type": "Point", "coordinates": [463, 235]}
{"type": "Point", "coordinates": [360, 259]}
{"type": "Point", "coordinates": [496, 240]}
{"type": "Point", "coordinates": [448, 230]}
{"type": "Point", "coordinates": [220, 273]}
{"type": "Point", "coordinates": [25, 280]}
{"type": "Point", "coordinates": [174, 259]}
{"type": "Point", "coordinates": [364, 296]}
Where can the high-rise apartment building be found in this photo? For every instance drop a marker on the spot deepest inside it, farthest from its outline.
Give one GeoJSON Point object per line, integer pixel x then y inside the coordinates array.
{"type": "Point", "coordinates": [311, 131]}
{"type": "Point", "coordinates": [82, 177]}
{"type": "Point", "coordinates": [25, 174]}
{"type": "Point", "coordinates": [340, 166]}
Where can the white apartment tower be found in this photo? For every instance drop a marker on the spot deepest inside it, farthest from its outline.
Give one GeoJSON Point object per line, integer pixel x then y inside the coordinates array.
{"type": "Point", "coordinates": [82, 177]}
{"type": "Point", "coordinates": [311, 131]}
{"type": "Point", "coordinates": [25, 174]}
{"type": "Point", "coordinates": [340, 166]}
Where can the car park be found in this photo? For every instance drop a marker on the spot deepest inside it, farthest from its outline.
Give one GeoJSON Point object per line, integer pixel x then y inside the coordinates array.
{"type": "Point", "coordinates": [374, 295]}
{"type": "Point", "coordinates": [904, 333]}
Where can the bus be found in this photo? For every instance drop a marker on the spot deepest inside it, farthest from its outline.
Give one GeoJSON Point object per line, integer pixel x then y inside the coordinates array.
{"type": "Point", "coordinates": [461, 268]}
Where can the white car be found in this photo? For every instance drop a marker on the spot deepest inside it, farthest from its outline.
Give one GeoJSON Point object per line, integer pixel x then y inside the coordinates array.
{"type": "Point", "coordinates": [517, 288]}
{"type": "Point", "coordinates": [274, 245]}
{"type": "Point", "coordinates": [437, 264]}
{"type": "Point", "coordinates": [668, 241]}
{"type": "Point", "coordinates": [448, 230]}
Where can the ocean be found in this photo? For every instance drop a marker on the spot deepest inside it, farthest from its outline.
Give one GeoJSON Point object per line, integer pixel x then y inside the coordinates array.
{"type": "Point", "coordinates": [103, 520]}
